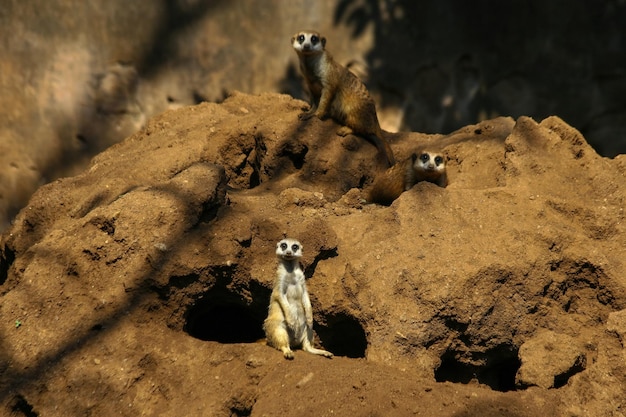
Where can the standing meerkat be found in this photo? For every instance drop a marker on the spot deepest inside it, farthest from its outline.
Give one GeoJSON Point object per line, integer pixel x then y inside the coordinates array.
{"type": "Point", "coordinates": [425, 166]}
{"type": "Point", "coordinates": [338, 93]}
{"type": "Point", "coordinates": [289, 320]}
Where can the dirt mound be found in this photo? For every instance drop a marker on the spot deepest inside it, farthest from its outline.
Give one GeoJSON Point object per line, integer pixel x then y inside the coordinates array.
{"type": "Point", "coordinates": [140, 285]}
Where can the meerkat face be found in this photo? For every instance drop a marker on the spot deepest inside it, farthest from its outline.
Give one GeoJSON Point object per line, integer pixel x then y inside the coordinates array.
{"type": "Point", "coordinates": [430, 162]}
{"type": "Point", "coordinates": [308, 42]}
{"type": "Point", "coordinates": [289, 249]}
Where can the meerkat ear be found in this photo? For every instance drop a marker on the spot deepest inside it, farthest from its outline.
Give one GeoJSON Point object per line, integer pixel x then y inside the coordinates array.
{"type": "Point", "coordinates": [324, 42]}
{"type": "Point", "coordinates": [293, 38]}
{"type": "Point", "coordinates": [413, 157]}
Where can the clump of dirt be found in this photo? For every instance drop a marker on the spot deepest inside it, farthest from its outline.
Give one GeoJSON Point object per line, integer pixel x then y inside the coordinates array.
{"type": "Point", "coordinates": [140, 285]}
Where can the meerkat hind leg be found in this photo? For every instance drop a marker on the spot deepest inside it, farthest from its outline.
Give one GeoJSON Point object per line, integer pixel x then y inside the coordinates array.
{"type": "Point", "coordinates": [344, 131]}
{"type": "Point", "coordinates": [381, 144]}
{"type": "Point", "coordinates": [278, 338]}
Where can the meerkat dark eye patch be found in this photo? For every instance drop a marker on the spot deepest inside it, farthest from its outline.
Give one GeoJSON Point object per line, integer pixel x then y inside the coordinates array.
{"type": "Point", "coordinates": [439, 160]}
{"type": "Point", "coordinates": [301, 38]}
{"type": "Point", "coordinates": [283, 246]}
{"type": "Point", "coordinates": [314, 39]}
{"type": "Point", "coordinates": [424, 157]}
{"type": "Point", "coordinates": [295, 248]}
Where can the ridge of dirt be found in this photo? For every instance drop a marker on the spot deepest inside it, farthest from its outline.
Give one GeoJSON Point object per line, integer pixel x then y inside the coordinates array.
{"type": "Point", "coordinates": [139, 286]}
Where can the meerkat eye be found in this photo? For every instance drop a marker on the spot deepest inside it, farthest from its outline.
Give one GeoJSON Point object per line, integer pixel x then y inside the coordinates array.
{"type": "Point", "coordinates": [300, 38]}
{"type": "Point", "coordinates": [314, 39]}
{"type": "Point", "coordinates": [424, 157]}
{"type": "Point", "coordinates": [439, 160]}
{"type": "Point", "coordinates": [295, 248]}
{"type": "Point", "coordinates": [283, 246]}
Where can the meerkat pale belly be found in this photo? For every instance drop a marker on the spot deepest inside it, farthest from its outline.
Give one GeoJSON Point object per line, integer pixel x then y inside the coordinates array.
{"type": "Point", "coordinates": [294, 299]}
{"type": "Point", "coordinates": [289, 321]}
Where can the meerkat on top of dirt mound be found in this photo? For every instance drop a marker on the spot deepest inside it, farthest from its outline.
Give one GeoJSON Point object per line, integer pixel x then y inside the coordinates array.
{"type": "Point", "coordinates": [338, 93]}
{"type": "Point", "coordinates": [289, 321]}
{"type": "Point", "coordinates": [422, 166]}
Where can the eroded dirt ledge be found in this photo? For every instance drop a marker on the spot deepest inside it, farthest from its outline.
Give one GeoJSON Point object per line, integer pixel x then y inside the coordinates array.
{"type": "Point", "coordinates": [139, 286]}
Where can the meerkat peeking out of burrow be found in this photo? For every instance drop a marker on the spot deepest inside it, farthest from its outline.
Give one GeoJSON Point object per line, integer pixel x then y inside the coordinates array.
{"type": "Point", "coordinates": [421, 166]}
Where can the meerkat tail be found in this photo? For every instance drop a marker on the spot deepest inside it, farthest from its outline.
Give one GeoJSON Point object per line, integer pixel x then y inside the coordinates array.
{"type": "Point", "coordinates": [306, 346]}
{"type": "Point", "coordinates": [383, 148]}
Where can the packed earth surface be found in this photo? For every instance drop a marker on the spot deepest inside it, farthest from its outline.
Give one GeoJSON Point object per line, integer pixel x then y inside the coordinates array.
{"type": "Point", "coordinates": [139, 286]}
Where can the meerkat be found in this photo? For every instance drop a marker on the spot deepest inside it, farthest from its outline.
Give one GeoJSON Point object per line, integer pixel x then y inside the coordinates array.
{"type": "Point", "coordinates": [422, 166]}
{"type": "Point", "coordinates": [289, 320]}
{"type": "Point", "coordinates": [338, 93]}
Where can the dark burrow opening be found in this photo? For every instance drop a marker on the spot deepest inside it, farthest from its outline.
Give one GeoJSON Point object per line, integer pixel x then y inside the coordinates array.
{"type": "Point", "coordinates": [7, 257]}
{"type": "Point", "coordinates": [495, 368]}
{"type": "Point", "coordinates": [296, 152]}
{"type": "Point", "coordinates": [225, 319]}
{"type": "Point", "coordinates": [20, 407]}
{"type": "Point", "coordinates": [342, 335]}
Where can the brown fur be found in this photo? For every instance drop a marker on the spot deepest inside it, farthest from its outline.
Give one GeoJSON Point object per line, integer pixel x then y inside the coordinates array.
{"type": "Point", "coordinates": [338, 93]}
{"type": "Point", "coordinates": [402, 177]}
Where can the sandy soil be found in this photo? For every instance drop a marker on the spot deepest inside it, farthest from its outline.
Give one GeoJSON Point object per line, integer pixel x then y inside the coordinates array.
{"type": "Point", "coordinates": [139, 286]}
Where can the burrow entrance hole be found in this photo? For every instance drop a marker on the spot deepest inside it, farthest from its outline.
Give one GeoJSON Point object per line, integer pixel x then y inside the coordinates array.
{"type": "Point", "coordinates": [295, 152]}
{"type": "Point", "coordinates": [225, 318]}
{"type": "Point", "coordinates": [20, 407]}
{"type": "Point", "coordinates": [495, 368]}
{"type": "Point", "coordinates": [342, 335]}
